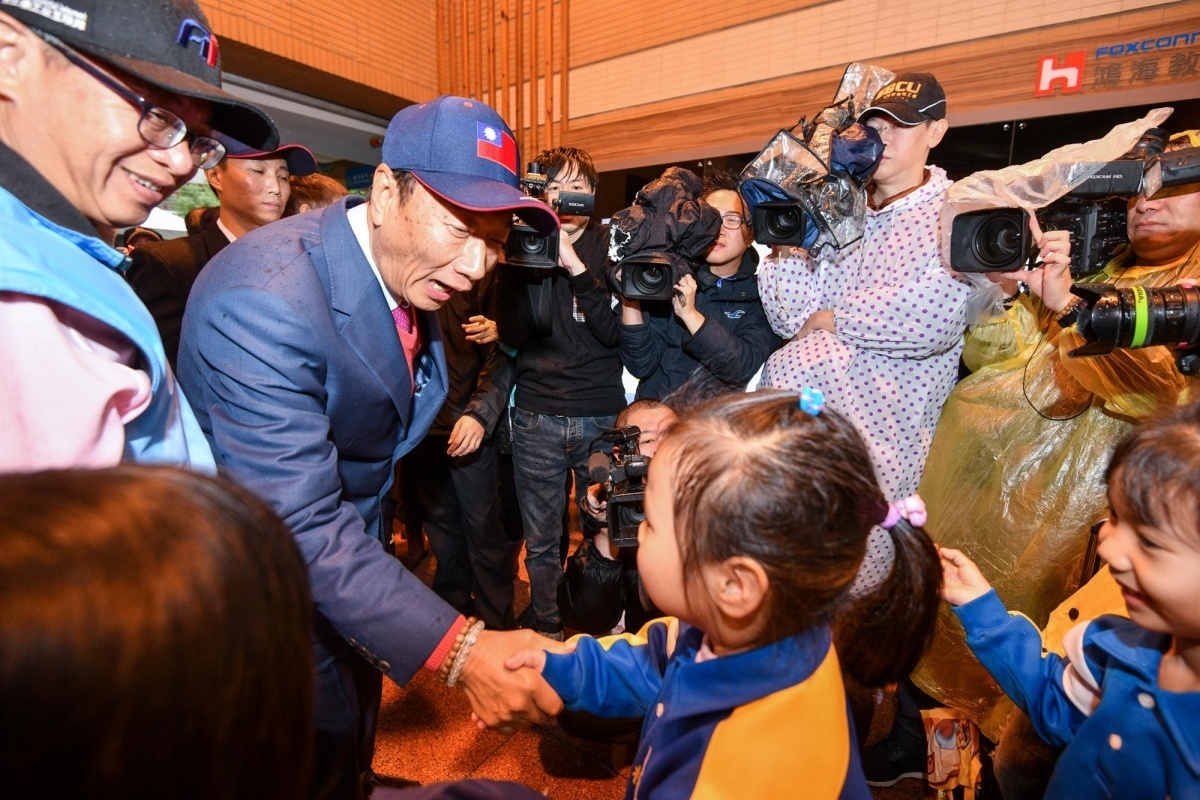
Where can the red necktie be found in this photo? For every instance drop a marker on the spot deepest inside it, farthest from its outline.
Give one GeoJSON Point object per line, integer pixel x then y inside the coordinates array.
{"type": "Point", "coordinates": [403, 318]}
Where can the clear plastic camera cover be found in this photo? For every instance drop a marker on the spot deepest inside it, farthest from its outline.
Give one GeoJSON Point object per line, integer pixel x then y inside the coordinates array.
{"type": "Point", "coordinates": [1031, 186]}
{"type": "Point", "coordinates": [788, 168]}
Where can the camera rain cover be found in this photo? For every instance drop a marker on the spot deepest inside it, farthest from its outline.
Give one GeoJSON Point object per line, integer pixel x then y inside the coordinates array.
{"type": "Point", "coordinates": [1031, 186]}
{"type": "Point", "coordinates": [826, 171]}
{"type": "Point", "coordinates": [668, 221]}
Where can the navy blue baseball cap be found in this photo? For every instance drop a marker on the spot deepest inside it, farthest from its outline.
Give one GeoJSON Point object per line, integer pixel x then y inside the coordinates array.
{"type": "Point", "coordinates": [300, 160]}
{"type": "Point", "coordinates": [461, 150]}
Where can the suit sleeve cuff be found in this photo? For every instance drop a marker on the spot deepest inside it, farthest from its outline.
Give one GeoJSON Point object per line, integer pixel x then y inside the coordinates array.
{"type": "Point", "coordinates": [434, 662]}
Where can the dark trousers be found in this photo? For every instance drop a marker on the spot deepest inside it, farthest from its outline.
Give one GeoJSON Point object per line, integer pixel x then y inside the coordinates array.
{"type": "Point", "coordinates": [346, 710]}
{"type": "Point", "coordinates": [460, 509]}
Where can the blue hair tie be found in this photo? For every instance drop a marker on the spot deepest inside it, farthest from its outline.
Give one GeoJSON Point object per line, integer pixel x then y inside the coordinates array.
{"type": "Point", "coordinates": [812, 401]}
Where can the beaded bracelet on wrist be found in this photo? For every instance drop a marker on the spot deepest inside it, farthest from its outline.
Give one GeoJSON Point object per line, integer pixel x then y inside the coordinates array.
{"type": "Point", "coordinates": [1067, 317]}
{"type": "Point", "coordinates": [460, 660]}
{"type": "Point", "coordinates": [444, 670]}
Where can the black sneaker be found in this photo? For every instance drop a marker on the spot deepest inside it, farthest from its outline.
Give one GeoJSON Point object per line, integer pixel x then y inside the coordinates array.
{"type": "Point", "coordinates": [528, 619]}
{"type": "Point", "coordinates": [894, 758]}
{"type": "Point", "coordinates": [557, 635]}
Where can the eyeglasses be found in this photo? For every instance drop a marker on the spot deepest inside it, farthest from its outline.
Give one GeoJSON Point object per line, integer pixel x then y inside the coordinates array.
{"type": "Point", "coordinates": [158, 126]}
{"type": "Point", "coordinates": [732, 221]}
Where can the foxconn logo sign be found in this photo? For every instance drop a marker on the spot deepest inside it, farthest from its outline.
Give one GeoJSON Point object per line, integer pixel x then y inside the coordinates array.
{"type": "Point", "coordinates": [1061, 76]}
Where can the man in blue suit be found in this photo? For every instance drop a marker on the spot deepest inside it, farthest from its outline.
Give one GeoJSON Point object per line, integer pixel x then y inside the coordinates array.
{"type": "Point", "coordinates": [312, 354]}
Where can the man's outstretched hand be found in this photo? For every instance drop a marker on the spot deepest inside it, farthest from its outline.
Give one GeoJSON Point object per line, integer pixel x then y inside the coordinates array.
{"type": "Point", "coordinates": [501, 698]}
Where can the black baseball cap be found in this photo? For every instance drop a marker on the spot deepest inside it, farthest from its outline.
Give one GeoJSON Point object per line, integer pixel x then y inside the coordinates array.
{"type": "Point", "coordinates": [910, 99]}
{"type": "Point", "coordinates": [167, 43]}
{"type": "Point", "coordinates": [300, 160]}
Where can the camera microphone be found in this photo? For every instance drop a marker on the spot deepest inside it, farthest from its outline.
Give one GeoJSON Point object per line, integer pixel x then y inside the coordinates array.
{"type": "Point", "coordinates": [599, 465]}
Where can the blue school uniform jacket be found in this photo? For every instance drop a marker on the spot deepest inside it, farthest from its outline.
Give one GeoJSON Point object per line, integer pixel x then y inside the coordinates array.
{"type": "Point", "coordinates": [1126, 738]}
{"type": "Point", "coordinates": [751, 724]}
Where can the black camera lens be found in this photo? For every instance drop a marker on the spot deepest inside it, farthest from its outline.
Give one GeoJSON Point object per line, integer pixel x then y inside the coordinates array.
{"type": "Point", "coordinates": [999, 240]}
{"type": "Point", "coordinates": [993, 240]}
{"type": "Point", "coordinates": [784, 223]}
{"type": "Point", "coordinates": [527, 248]}
{"type": "Point", "coordinates": [650, 279]}
{"type": "Point", "coordinates": [1137, 317]}
{"type": "Point", "coordinates": [780, 222]}
{"type": "Point", "coordinates": [631, 515]}
{"type": "Point", "coordinates": [532, 243]}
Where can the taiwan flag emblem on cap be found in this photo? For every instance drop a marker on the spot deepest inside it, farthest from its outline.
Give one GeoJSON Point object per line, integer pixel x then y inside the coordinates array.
{"type": "Point", "coordinates": [496, 145]}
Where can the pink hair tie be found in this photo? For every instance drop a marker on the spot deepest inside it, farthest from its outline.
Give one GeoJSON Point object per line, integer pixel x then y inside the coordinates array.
{"type": "Point", "coordinates": [911, 508]}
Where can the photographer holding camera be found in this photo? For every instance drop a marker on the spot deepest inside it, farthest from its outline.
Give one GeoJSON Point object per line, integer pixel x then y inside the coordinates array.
{"type": "Point", "coordinates": [568, 376]}
{"type": "Point", "coordinates": [1015, 476]}
{"type": "Point", "coordinates": [601, 576]}
{"type": "Point", "coordinates": [877, 325]}
{"type": "Point", "coordinates": [714, 323]}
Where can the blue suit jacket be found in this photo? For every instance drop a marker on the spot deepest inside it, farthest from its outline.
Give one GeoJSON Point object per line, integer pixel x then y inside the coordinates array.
{"type": "Point", "coordinates": [292, 360]}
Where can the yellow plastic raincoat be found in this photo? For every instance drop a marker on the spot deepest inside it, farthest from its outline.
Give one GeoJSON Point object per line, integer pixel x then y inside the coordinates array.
{"type": "Point", "coordinates": [1018, 490]}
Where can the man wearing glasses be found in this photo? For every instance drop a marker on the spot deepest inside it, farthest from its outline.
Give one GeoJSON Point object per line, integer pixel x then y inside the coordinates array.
{"type": "Point", "coordinates": [714, 330]}
{"type": "Point", "coordinates": [568, 380]}
{"type": "Point", "coordinates": [253, 189]}
{"type": "Point", "coordinates": [106, 108]}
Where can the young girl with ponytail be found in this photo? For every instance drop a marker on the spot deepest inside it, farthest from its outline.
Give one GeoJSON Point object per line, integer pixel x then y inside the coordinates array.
{"type": "Point", "coordinates": [758, 508]}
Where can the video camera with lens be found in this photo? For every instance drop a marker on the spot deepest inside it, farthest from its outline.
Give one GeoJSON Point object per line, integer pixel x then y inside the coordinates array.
{"type": "Point", "coordinates": [661, 237]}
{"type": "Point", "coordinates": [1094, 212]}
{"type": "Point", "coordinates": [526, 247]}
{"type": "Point", "coordinates": [807, 185]}
{"type": "Point", "coordinates": [1137, 316]}
{"type": "Point", "coordinates": [626, 477]}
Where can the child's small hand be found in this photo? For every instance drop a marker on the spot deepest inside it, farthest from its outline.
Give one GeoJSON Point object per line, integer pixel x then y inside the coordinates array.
{"type": "Point", "coordinates": [962, 581]}
{"type": "Point", "coordinates": [536, 659]}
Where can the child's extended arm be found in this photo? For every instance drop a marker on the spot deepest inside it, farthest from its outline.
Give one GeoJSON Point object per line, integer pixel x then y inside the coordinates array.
{"type": "Point", "coordinates": [1056, 696]}
{"type": "Point", "coordinates": [614, 676]}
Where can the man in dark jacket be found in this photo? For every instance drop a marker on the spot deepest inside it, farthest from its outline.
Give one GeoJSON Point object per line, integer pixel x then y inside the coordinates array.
{"type": "Point", "coordinates": [568, 377]}
{"type": "Point", "coordinates": [253, 187]}
{"type": "Point", "coordinates": [714, 327]}
{"type": "Point", "coordinates": [451, 473]}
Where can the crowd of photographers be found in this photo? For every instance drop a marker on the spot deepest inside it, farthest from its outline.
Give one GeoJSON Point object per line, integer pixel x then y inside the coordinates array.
{"type": "Point", "coordinates": [880, 326]}
{"type": "Point", "coordinates": [318, 339]}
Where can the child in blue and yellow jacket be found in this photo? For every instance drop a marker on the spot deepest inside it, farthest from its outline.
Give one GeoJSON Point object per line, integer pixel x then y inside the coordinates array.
{"type": "Point", "coordinates": [758, 509]}
{"type": "Point", "coordinates": [1126, 699]}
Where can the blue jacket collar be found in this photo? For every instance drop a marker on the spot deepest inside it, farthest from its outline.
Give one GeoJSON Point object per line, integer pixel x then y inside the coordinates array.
{"type": "Point", "coordinates": [1140, 652]}
{"type": "Point", "coordinates": [735, 680]}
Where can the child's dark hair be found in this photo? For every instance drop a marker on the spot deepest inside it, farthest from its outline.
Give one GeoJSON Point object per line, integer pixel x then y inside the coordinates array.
{"type": "Point", "coordinates": [756, 476]}
{"type": "Point", "coordinates": [154, 639]}
{"type": "Point", "coordinates": [1157, 469]}
{"type": "Point", "coordinates": [565, 161]}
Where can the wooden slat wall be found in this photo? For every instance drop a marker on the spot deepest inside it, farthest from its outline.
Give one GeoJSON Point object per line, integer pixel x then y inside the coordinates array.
{"type": "Point", "coordinates": [367, 54]}
{"type": "Point", "coordinates": [511, 54]}
{"type": "Point", "coordinates": [978, 76]}
{"type": "Point", "coordinates": [603, 28]}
